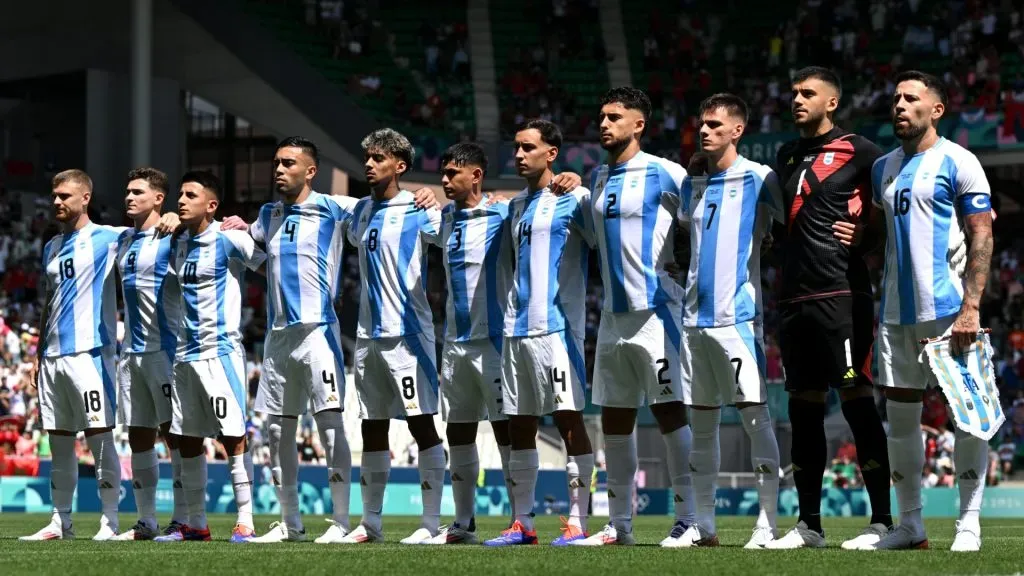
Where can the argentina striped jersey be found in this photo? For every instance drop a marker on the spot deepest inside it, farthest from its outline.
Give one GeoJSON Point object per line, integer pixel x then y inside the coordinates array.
{"type": "Point", "coordinates": [151, 295]}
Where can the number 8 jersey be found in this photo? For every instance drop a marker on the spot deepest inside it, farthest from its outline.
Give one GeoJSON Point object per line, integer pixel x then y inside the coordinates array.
{"type": "Point", "coordinates": [81, 288]}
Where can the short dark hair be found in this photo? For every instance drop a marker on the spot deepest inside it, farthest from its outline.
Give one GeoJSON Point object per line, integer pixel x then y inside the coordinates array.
{"type": "Point", "coordinates": [155, 178]}
{"type": "Point", "coordinates": [550, 133]}
{"type": "Point", "coordinates": [204, 178]}
{"type": "Point", "coordinates": [392, 143]}
{"type": "Point", "coordinates": [733, 105]}
{"type": "Point", "coordinates": [932, 83]}
{"type": "Point", "coordinates": [465, 154]}
{"type": "Point", "coordinates": [308, 147]}
{"type": "Point", "coordinates": [75, 176]}
{"type": "Point", "coordinates": [819, 73]}
{"type": "Point", "coordinates": [630, 98]}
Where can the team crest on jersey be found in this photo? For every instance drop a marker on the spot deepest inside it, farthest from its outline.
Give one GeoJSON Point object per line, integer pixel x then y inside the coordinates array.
{"type": "Point", "coordinates": [732, 192]}
{"type": "Point", "coordinates": [829, 157]}
{"type": "Point", "coordinates": [925, 175]}
{"type": "Point", "coordinates": [393, 219]}
{"type": "Point", "coordinates": [634, 182]}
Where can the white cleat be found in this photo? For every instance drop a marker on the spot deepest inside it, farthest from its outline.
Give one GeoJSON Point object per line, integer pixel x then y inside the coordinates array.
{"type": "Point", "coordinates": [334, 535]}
{"type": "Point", "coordinates": [799, 537]}
{"type": "Point", "coordinates": [694, 536]}
{"type": "Point", "coordinates": [279, 532]}
{"type": "Point", "coordinates": [967, 539]}
{"type": "Point", "coordinates": [760, 538]}
{"type": "Point", "coordinates": [141, 531]}
{"type": "Point", "coordinates": [105, 534]}
{"type": "Point", "coordinates": [362, 535]}
{"type": "Point", "coordinates": [674, 533]}
{"type": "Point", "coordinates": [608, 536]}
{"type": "Point", "coordinates": [903, 537]}
{"type": "Point", "coordinates": [420, 536]}
{"type": "Point", "coordinates": [453, 534]}
{"type": "Point", "coordinates": [52, 531]}
{"type": "Point", "coordinates": [867, 539]}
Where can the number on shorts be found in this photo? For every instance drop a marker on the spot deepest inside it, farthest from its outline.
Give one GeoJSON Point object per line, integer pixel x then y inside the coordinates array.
{"type": "Point", "coordinates": [713, 207]}
{"type": "Point", "coordinates": [557, 378]}
{"type": "Point", "coordinates": [289, 229]}
{"type": "Point", "coordinates": [329, 379]}
{"type": "Point", "coordinates": [371, 239]}
{"type": "Point", "coordinates": [93, 402]}
{"type": "Point", "coordinates": [408, 388]}
{"type": "Point", "coordinates": [663, 362]}
{"type": "Point", "coordinates": [67, 269]}
{"type": "Point", "coordinates": [739, 364]}
{"type": "Point", "coordinates": [166, 388]}
{"type": "Point", "coordinates": [220, 406]}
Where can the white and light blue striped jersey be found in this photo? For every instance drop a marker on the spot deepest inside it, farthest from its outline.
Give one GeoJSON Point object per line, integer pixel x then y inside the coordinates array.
{"type": "Point", "coordinates": [391, 236]}
{"type": "Point", "coordinates": [211, 267]}
{"type": "Point", "coordinates": [634, 209]}
{"type": "Point", "coordinates": [152, 300]}
{"type": "Point", "coordinates": [919, 195]}
{"type": "Point", "coordinates": [728, 215]}
{"type": "Point", "coordinates": [551, 238]}
{"type": "Point", "coordinates": [479, 269]}
{"type": "Point", "coordinates": [82, 301]}
{"type": "Point", "coordinates": [304, 244]}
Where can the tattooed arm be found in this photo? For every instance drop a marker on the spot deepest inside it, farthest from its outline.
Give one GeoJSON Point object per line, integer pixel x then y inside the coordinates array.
{"type": "Point", "coordinates": [979, 259]}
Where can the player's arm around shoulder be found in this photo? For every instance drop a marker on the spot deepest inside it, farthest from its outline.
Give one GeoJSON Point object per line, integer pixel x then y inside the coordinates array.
{"type": "Point", "coordinates": [245, 249]}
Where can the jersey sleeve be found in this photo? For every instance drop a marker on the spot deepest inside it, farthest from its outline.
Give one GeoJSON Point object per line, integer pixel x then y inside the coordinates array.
{"type": "Point", "coordinates": [670, 177]}
{"type": "Point", "coordinates": [583, 217]}
{"type": "Point", "coordinates": [770, 197]}
{"type": "Point", "coordinates": [430, 225]}
{"type": "Point", "coordinates": [342, 207]}
{"type": "Point", "coordinates": [244, 248]}
{"type": "Point", "coordinates": [877, 169]}
{"type": "Point", "coordinates": [258, 230]}
{"type": "Point", "coordinates": [352, 224]}
{"type": "Point", "coordinates": [685, 197]}
{"type": "Point", "coordinates": [970, 177]}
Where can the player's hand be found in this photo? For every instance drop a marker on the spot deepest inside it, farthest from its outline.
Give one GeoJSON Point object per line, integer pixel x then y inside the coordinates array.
{"type": "Point", "coordinates": [425, 198]}
{"type": "Point", "coordinates": [168, 224]}
{"type": "Point", "coordinates": [766, 243]}
{"type": "Point", "coordinates": [698, 164]}
{"type": "Point", "coordinates": [673, 268]}
{"type": "Point", "coordinates": [233, 223]}
{"type": "Point", "coordinates": [965, 330]}
{"type": "Point", "coordinates": [848, 233]}
{"type": "Point", "coordinates": [564, 183]}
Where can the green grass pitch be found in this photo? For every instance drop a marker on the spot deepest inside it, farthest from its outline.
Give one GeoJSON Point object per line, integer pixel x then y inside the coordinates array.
{"type": "Point", "coordinates": [1002, 553]}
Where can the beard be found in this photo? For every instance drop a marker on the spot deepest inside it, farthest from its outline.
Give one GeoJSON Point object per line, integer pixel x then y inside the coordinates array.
{"type": "Point", "coordinates": [615, 145]}
{"type": "Point", "coordinates": [908, 132]}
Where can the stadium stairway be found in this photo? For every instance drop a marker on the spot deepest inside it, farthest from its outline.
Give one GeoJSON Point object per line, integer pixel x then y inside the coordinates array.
{"type": "Point", "coordinates": [485, 82]}
{"type": "Point", "coordinates": [614, 35]}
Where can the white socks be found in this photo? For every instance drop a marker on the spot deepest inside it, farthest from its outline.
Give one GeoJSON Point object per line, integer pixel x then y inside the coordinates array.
{"type": "Point", "coordinates": [284, 459]}
{"type": "Point", "coordinates": [242, 485]}
{"type": "Point", "coordinates": [193, 480]}
{"type": "Point", "coordinates": [465, 467]}
{"type": "Point", "coordinates": [432, 465]}
{"type": "Point", "coordinates": [331, 428]}
{"type": "Point", "coordinates": [679, 444]}
{"type": "Point", "coordinates": [906, 460]}
{"type": "Point", "coordinates": [506, 454]}
{"type": "Point", "coordinates": [180, 514]}
{"type": "Point", "coordinates": [374, 480]}
{"type": "Point", "coordinates": [146, 474]}
{"type": "Point", "coordinates": [970, 462]}
{"type": "Point", "coordinates": [63, 476]}
{"type": "Point", "coordinates": [706, 459]}
{"type": "Point", "coordinates": [523, 466]}
{"type": "Point", "coordinates": [764, 459]}
{"type": "Point", "coordinates": [579, 470]}
{"type": "Point", "coordinates": [108, 476]}
{"type": "Point", "coordinates": [622, 462]}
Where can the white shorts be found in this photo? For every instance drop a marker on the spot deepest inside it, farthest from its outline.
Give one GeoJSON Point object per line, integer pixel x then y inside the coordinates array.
{"type": "Point", "coordinates": [302, 366]}
{"type": "Point", "coordinates": [724, 365]}
{"type": "Point", "coordinates": [471, 381]}
{"type": "Point", "coordinates": [209, 397]}
{"type": "Point", "coordinates": [637, 358]}
{"type": "Point", "coordinates": [144, 386]}
{"type": "Point", "coordinates": [898, 351]}
{"type": "Point", "coordinates": [77, 391]}
{"type": "Point", "coordinates": [543, 374]}
{"type": "Point", "coordinates": [396, 376]}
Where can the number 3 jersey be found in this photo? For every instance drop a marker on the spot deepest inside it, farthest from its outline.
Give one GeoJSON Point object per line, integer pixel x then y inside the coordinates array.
{"type": "Point", "coordinates": [551, 237]}
{"type": "Point", "coordinates": [391, 236]}
{"type": "Point", "coordinates": [479, 268]}
{"type": "Point", "coordinates": [151, 298]}
{"type": "Point", "coordinates": [728, 215]}
{"type": "Point", "coordinates": [210, 267]}
{"type": "Point", "coordinates": [304, 248]}
{"type": "Point", "coordinates": [923, 197]}
{"type": "Point", "coordinates": [80, 283]}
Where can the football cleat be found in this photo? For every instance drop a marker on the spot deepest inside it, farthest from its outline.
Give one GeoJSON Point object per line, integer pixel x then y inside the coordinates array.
{"type": "Point", "coordinates": [279, 532]}
{"type": "Point", "coordinates": [799, 537]}
{"type": "Point", "coordinates": [674, 534]}
{"type": "Point", "coordinates": [362, 535]}
{"type": "Point", "coordinates": [868, 538]}
{"type": "Point", "coordinates": [52, 531]}
{"type": "Point", "coordinates": [185, 533]}
{"type": "Point", "coordinates": [420, 536]}
{"type": "Point", "coordinates": [105, 534]}
{"type": "Point", "coordinates": [334, 534]}
{"type": "Point", "coordinates": [242, 534]}
{"type": "Point", "coordinates": [904, 537]}
{"type": "Point", "coordinates": [516, 535]}
{"type": "Point", "coordinates": [608, 536]}
{"type": "Point", "coordinates": [693, 536]}
{"type": "Point", "coordinates": [570, 533]}
{"type": "Point", "coordinates": [760, 538]}
{"type": "Point", "coordinates": [967, 539]}
{"type": "Point", "coordinates": [141, 531]}
{"type": "Point", "coordinates": [454, 534]}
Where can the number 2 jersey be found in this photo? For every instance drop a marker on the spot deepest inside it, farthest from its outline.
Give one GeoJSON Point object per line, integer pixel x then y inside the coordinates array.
{"type": "Point", "coordinates": [728, 215]}
{"type": "Point", "coordinates": [81, 288]}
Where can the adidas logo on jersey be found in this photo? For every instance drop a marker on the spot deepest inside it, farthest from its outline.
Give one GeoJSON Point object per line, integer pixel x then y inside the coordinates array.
{"type": "Point", "coordinates": [850, 374]}
{"type": "Point", "coordinates": [896, 476]}
{"type": "Point", "coordinates": [969, 475]}
{"type": "Point", "coordinates": [336, 477]}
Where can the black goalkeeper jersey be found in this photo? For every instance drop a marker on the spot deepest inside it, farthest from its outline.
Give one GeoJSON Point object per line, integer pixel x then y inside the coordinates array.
{"type": "Point", "coordinates": [824, 179]}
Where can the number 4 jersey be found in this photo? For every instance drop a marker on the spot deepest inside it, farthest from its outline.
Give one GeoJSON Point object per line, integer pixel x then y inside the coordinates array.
{"type": "Point", "coordinates": [81, 288]}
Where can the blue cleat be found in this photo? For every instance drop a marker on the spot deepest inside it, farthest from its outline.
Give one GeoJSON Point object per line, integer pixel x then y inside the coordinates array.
{"type": "Point", "coordinates": [570, 533]}
{"type": "Point", "coordinates": [517, 535]}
